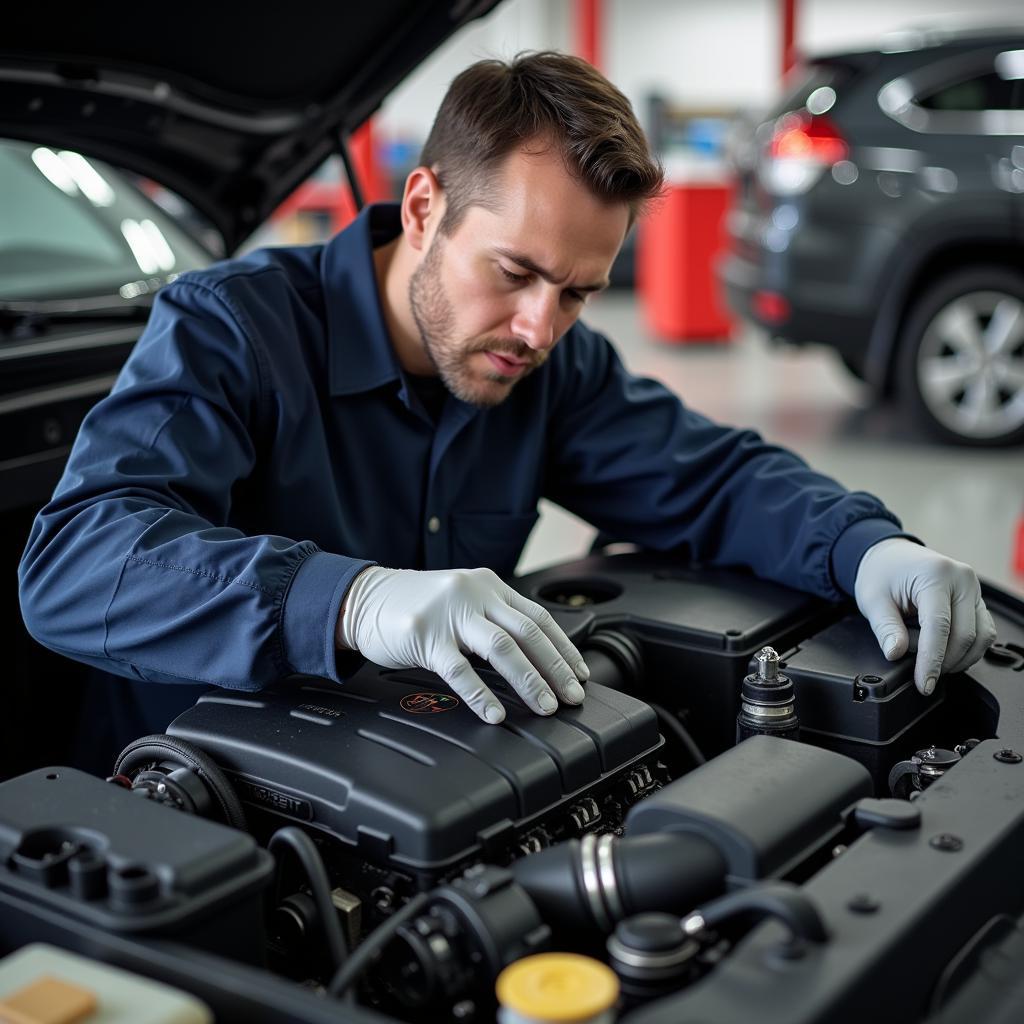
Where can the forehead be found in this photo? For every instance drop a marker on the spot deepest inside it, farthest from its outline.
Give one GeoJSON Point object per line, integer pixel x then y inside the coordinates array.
{"type": "Point", "coordinates": [538, 208]}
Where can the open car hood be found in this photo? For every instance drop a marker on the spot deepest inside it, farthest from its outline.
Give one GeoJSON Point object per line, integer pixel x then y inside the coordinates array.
{"type": "Point", "coordinates": [231, 108]}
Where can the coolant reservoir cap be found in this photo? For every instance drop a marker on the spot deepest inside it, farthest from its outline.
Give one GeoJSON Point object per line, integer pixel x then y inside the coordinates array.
{"type": "Point", "coordinates": [557, 987]}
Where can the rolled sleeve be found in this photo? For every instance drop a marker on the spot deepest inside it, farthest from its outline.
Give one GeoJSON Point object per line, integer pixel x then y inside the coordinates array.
{"type": "Point", "coordinates": [310, 612]}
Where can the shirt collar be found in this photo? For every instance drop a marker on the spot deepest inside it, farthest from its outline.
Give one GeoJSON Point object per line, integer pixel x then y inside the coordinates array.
{"type": "Point", "coordinates": [361, 354]}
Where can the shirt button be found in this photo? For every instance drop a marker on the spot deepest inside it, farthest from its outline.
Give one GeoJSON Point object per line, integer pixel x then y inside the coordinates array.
{"type": "Point", "coordinates": [433, 524]}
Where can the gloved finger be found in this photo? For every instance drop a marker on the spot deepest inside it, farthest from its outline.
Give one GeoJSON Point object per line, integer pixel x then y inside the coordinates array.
{"type": "Point", "coordinates": [463, 680]}
{"type": "Point", "coordinates": [541, 652]}
{"type": "Point", "coordinates": [914, 632]}
{"type": "Point", "coordinates": [934, 611]}
{"type": "Point", "coordinates": [552, 630]}
{"type": "Point", "coordinates": [495, 645]}
{"type": "Point", "coordinates": [888, 626]}
{"type": "Point", "coordinates": [985, 637]}
{"type": "Point", "coordinates": [963, 626]}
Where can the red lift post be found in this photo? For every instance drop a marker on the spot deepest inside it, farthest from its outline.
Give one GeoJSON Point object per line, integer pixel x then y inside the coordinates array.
{"type": "Point", "coordinates": [789, 52]}
{"type": "Point", "coordinates": [334, 198]}
{"type": "Point", "coordinates": [589, 29]}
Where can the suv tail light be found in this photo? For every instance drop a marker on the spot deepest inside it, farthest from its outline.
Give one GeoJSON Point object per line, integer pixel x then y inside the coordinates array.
{"type": "Point", "coordinates": [801, 148]}
{"type": "Point", "coordinates": [771, 308]}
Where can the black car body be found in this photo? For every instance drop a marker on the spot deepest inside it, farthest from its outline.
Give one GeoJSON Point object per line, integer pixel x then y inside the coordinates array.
{"type": "Point", "coordinates": [880, 211]}
{"type": "Point", "coordinates": [237, 856]}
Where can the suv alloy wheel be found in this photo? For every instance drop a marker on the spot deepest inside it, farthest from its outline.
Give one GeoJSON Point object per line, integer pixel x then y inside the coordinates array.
{"type": "Point", "coordinates": [961, 356]}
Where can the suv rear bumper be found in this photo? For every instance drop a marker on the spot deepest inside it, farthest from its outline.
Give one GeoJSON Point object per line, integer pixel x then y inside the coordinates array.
{"type": "Point", "coordinates": [808, 322]}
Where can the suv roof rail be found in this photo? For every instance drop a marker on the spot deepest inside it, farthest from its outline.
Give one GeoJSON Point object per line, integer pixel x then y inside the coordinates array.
{"type": "Point", "coordinates": [951, 30]}
{"type": "Point", "coordinates": [937, 32]}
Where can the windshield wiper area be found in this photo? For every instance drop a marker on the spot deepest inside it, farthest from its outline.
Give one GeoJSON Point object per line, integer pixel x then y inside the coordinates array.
{"type": "Point", "coordinates": [22, 320]}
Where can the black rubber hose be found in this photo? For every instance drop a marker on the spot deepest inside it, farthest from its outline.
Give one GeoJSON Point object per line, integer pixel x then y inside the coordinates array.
{"type": "Point", "coordinates": [669, 723]}
{"type": "Point", "coordinates": [294, 839]}
{"type": "Point", "coordinates": [666, 871]}
{"type": "Point", "coordinates": [614, 660]}
{"type": "Point", "coordinates": [779, 900]}
{"type": "Point", "coordinates": [603, 669]}
{"type": "Point", "coordinates": [373, 943]}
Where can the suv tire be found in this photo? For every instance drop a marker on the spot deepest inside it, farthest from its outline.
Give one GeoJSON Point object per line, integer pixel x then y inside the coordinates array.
{"type": "Point", "coordinates": [960, 363]}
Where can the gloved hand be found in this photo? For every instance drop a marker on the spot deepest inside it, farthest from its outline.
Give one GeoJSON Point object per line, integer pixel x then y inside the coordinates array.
{"type": "Point", "coordinates": [897, 576]}
{"type": "Point", "coordinates": [404, 618]}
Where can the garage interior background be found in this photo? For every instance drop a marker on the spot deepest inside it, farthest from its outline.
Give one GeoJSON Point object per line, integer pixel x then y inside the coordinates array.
{"type": "Point", "coordinates": [720, 60]}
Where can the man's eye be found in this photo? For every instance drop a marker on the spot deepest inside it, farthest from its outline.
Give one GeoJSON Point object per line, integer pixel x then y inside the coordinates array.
{"type": "Point", "coordinates": [509, 276]}
{"type": "Point", "coordinates": [575, 296]}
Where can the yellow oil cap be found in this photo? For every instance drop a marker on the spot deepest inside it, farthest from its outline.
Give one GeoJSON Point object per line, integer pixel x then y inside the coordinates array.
{"type": "Point", "coordinates": [557, 987]}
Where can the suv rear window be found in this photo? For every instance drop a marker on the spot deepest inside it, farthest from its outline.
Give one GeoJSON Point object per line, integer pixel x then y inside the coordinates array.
{"type": "Point", "coordinates": [981, 92]}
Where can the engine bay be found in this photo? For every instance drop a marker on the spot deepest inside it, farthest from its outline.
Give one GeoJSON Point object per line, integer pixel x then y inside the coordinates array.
{"type": "Point", "coordinates": [753, 815]}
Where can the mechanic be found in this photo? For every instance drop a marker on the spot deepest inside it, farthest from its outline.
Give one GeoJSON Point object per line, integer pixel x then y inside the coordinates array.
{"type": "Point", "coordinates": [324, 453]}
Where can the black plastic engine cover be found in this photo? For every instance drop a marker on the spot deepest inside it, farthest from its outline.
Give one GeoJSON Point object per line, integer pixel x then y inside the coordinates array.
{"type": "Point", "coordinates": [698, 630]}
{"type": "Point", "coordinates": [403, 773]}
{"type": "Point", "coordinates": [697, 627]}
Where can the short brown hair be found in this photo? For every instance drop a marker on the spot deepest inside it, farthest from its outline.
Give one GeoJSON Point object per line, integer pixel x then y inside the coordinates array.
{"type": "Point", "coordinates": [494, 106]}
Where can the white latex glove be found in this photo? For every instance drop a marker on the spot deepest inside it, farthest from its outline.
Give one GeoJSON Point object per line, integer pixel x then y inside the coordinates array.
{"type": "Point", "coordinates": [896, 577]}
{"type": "Point", "coordinates": [404, 618]}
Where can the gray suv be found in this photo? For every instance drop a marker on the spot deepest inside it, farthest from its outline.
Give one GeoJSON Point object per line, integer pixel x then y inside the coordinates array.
{"type": "Point", "coordinates": [880, 210]}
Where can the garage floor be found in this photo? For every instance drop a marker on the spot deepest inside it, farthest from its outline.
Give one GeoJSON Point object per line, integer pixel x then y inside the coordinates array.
{"type": "Point", "coordinates": [963, 502]}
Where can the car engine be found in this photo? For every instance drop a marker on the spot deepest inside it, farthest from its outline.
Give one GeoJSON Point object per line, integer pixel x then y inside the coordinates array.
{"type": "Point", "coordinates": [752, 816]}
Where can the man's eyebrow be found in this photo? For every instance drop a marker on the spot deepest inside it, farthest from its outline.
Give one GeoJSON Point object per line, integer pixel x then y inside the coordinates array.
{"type": "Point", "coordinates": [526, 263]}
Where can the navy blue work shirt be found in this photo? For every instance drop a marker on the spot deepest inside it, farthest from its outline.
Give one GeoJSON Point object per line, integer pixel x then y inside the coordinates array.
{"type": "Point", "coordinates": [262, 445]}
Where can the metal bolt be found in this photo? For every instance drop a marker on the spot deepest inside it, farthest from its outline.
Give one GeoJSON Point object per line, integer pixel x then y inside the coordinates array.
{"type": "Point", "coordinates": [839, 850]}
{"type": "Point", "coordinates": [464, 1009]}
{"type": "Point", "coordinates": [694, 924]}
{"type": "Point", "coordinates": [767, 665]}
{"type": "Point", "coordinates": [383, 898]}
{"type": "Point", "coordinates": [947, 842]}
{"type": "Point", "coordinates": [1008, 756]}
{"type": "Point", "coordinates": [862, 903]}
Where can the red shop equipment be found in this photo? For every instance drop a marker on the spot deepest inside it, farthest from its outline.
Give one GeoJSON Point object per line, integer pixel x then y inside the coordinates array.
{"type": "Point", "coordinates": [678, 243]}
{"type": "Point", "coordinates": [1018, 547]}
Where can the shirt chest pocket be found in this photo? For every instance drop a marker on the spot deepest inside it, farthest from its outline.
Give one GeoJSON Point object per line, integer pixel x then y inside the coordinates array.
{"type": "Point", "coordinates": [489, 540]}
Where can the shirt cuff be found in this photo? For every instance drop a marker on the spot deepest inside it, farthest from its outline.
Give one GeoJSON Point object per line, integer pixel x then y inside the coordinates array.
{"type": "Point", "coordinates": [851, 544]}
{"type": "Point", "coordinates": [311, 609]}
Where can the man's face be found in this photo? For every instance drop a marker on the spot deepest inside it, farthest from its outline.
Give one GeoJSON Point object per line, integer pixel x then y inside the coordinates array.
{"type": "Point", "coordinates": [492, 299]}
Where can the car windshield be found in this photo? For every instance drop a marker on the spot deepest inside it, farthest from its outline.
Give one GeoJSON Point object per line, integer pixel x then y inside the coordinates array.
{"type": "Point", "coordinates": [74, 228]}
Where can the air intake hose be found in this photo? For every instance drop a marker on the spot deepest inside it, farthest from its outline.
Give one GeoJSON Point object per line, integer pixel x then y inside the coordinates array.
{"type": "Point", "coordinates": [595, 882]}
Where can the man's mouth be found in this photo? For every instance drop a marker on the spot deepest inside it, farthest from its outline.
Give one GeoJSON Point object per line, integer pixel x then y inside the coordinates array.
{"type": "Point", "coordinates": [507, 366]}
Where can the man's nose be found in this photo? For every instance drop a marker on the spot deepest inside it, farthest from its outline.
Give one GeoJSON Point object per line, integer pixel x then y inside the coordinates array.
{"type": "Point", "coordinates": [534, 321]}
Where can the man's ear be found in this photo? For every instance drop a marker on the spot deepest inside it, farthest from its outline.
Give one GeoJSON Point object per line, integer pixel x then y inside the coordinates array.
{"type": "Point", "coordinates": [422, 207]}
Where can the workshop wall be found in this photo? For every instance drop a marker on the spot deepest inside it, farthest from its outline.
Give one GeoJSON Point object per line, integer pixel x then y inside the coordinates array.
{"type": "Point", "coordinates": [699, 53]}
